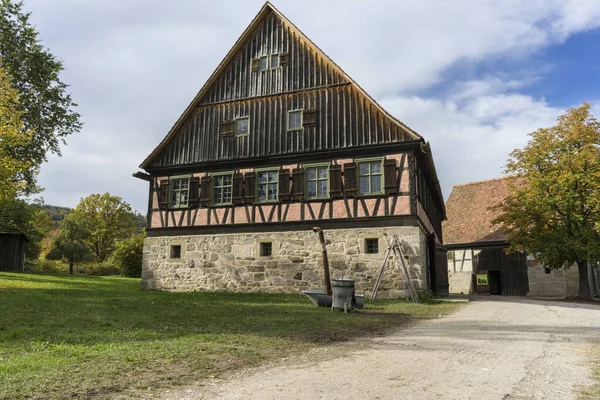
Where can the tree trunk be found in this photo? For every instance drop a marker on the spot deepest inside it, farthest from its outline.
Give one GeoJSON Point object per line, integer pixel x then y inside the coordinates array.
{"type": "Point", "coordinates": [71, 266]}
{"type": "Point", "coordinates": [584, 285]}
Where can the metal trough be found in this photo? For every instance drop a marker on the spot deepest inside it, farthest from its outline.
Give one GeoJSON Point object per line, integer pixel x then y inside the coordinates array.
{"type": "Point", "coordinates": [321, 299]}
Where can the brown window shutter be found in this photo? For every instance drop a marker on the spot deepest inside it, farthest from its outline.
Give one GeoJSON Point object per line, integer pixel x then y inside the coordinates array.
{"type": "Point", "coordinates": [163, 194]}
{"type": "Point", "coordinates": [249, 183]}
{"type": "Point", "coordinates": [298, 183]}
{"type": "Point", "coordinates": [309, 117]}
{"type": "Point", "coordinates": [227, 127]}
{"type": "Point", "coordinates": [389, 176]}
{"type": "Point", "coordinates": [283, 59]}
{"type": "Point", "coordinates": [284, 185]}
{"type": "Point", "coordinates": [237, 198]}
{"type": "Point", "coordinates": [335, 181]}
{"type": "Point", "coordinates": [205, 191]}
{"type": "Point", "coordinates": [194, 192]}
{"type": "Point", "coordinates": [350, 179]}
{"type": "Point", "coordinates": [254, 64]}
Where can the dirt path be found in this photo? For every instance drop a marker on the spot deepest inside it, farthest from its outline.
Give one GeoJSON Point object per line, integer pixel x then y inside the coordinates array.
{"type": "Point", "coordinates": [491, 349]}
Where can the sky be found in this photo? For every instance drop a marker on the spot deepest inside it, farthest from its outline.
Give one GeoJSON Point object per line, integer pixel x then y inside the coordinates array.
{"type": "Point", "coordinates": [474, 77]}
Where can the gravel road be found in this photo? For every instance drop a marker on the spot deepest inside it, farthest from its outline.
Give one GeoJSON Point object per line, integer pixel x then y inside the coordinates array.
{"type": "Point", "coordinates": [497, 348]}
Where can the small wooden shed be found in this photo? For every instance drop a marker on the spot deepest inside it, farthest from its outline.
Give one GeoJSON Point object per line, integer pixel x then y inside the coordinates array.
{"type": "Point", "coordinates": [12, 245]}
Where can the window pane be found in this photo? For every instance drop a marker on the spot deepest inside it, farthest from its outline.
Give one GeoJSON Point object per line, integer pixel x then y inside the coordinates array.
{"type": "Point", "coordinates": [262, 192]}
{"type": "Point", "coordinates": [241, 126]}
{"type": "Point", "coordinates": [262, 177]}
{"type": "Point", "coordinates": [217, 195]}
{"type": "Point", "coordinates": [262, 63]}
{"type": "Point", "coordinates": [183, 199]}
{"type": "Point", "coordinates": [227, 195]}
{"type": "Point", "coordinates": [219, 180]}
{"type": "Point", "coordinates": [184, 183]}
{"type": "Point", "coordinates": [363, 168]}
{"type": "Point", "coordinates": [174, 199]}
{"type": "Point", "coordinates": [272, 191]}
{"type": "Point", "coordinates": [273, 176]}
{"type": "Point", "coordinates": [311, 189]}
{"type": "Point", "coordinates": [375, 167]}
{"type": "Point", "coordinates": [376, 184]}
{"type": "Point", "coordinates": [176, 184]}
{"type": "Point", "coordinates": [322, 172]}
{"type": "Point", "coordinates": [364, 184]}
{"type": "Point", "coordinates": [226, 180]}
{"type": "Point", "coordinates": [311, 173]}
{"type": "Point", "coordinates": [322, 188]}
{"type": "Point", "coordinates": [275, 61]}
{"type": "Point", "coordinates": [295, 120]}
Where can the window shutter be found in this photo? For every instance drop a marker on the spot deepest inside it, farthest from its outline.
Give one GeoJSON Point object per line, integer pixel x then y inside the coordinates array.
{"type": "Point", "coordinates": [254, 64]}
{"type": "Point", "coordinates": [249, 183]}
{"type": "Point", "coordinates": [194, 191]}
{"type": "Point", "coordinates": [309, 117]}
{"type": "Point", "coordinates": [335, 181]}
{"type": "Point", "coordinates": [350, 179]}
{"type": "Point", "coordinates": [205, 191]}
{"type": "Point", "coordinates": [227, 127]}
{"type": "Point", "coordinates": [284, 185]}
{"type": "Point", "coordinates": [389, 176]}
{"type": "Point", "coordinates": [283, 59]}
{"type": "Point", "coordinates": [236, 197]}
{"type": "Point", "coordinates": [298, 183]}
{"type": "Point", "coordinates": [163, 194]}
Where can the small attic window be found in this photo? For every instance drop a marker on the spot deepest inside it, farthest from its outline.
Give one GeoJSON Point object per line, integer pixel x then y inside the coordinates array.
{"type": "Point", "coordinates": [263, 63]}
{"type": "Point", "coordinates": [274, 61]}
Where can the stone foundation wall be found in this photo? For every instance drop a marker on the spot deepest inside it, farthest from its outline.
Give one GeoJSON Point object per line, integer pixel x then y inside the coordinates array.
{"type": "Point", "coordinates": [460, 282]}
{"type": "Point", "coordinates": [232, 262]}
{"type": "Point", "coordinates": [557, 283]}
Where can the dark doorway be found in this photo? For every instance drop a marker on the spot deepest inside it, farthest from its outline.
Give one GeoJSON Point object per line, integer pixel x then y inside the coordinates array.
{"type": "Point", "coordinates": [495, 282]}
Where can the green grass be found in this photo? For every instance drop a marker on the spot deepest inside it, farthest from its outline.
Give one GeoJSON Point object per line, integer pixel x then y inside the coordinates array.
{"type": "Point", "coordinates": [93, 337]}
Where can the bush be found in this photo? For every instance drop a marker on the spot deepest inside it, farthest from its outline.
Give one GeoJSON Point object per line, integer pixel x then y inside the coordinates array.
{"type": "Point", "coordinates": [98, 269]}
{"type": "Point", "coordinates": [42, 265]}
{"type": "Point", "coordinates": [127, 256]}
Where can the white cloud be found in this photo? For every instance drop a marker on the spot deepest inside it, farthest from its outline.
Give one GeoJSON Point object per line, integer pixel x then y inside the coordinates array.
{"type": "Point", "coordinates": [134, 66]}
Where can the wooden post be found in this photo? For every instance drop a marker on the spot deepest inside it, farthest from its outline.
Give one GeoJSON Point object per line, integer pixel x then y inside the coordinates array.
{"type": "Point", "coordinates": [326, 277]}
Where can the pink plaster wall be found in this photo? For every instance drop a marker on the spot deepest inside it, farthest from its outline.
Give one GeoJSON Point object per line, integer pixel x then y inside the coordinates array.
{"type": "Point", "coordinates": [339, 209]}
{"type": "Point", "coordinates": [294, 212]}
{"type": "Point", "coordinates": [240, 215]}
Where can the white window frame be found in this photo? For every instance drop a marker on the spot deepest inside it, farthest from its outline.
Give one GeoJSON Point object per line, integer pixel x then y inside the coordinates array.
{"type": "Point", "coordinates": [236, 126]}
{"type": "Point", "coordinates": [172, 180]}
{"type": "Point", "coordinates": [301, 127]}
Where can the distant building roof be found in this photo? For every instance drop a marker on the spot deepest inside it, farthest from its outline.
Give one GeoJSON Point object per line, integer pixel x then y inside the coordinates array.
{"type": "Point", "coordinates": [469, 214]}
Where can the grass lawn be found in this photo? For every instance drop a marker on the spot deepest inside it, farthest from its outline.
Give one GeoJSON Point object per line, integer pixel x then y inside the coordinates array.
{"type": "Point", "coordinates": [92, 337]}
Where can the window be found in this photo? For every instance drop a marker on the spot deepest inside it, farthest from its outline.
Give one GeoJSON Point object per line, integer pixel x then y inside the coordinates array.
{"type": "Point", "coordinates": [242, 126]}
{"type": "Point", "coordinates": [370, 177]}
{"type": "Point", "coordinates": [372, 246]}
{"type": "Point", "coordinates": [547, 270]}
{"type": "Point", "coordinates": [180, 191]}
{"type": "Point", "coordinates": [175, 251]}
{"type": "Point", "coordinates": [267, 185]}
{"type": "Point", "coordinates": [266, 249]}
{"type": "Point", "coordinates": [317, 181]}
{"type": "Point", "coordinates": [274, 61]}
{"type": "Point", "coordinates": [263, 63]}
{"type": "Point", "coordinates": [294, 122]}
{"type": "Point", "coordinates": [222, 188]}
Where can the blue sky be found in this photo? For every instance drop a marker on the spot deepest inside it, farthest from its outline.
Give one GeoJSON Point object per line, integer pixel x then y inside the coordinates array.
{"type": "Point", "coordinates": [474, 77]}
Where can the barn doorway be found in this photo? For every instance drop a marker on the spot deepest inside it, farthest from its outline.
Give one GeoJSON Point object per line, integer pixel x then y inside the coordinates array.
{"type": "Point", "coordinates": [495, 282]}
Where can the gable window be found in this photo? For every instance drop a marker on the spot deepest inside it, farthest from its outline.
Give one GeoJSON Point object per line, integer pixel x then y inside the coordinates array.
{"type": "Point", "coordinates": [370, 177]}
{"type": "Point", "coordinates": [242, 126]}
{"type": "Point", "coordinates": [222, 188]}
{"type": "Point", "coordinates": [274, 61]}
{"type": "Point", "coordinates": [294, 120]}
{"type": "Point", "coordinates": [267, 185]}
{"type": "Point", "coordinates": [317, 181]}
{"type": "Point", "coordinates": [180, 191]}
{"type": "Point", "coordinates": [263, 63]}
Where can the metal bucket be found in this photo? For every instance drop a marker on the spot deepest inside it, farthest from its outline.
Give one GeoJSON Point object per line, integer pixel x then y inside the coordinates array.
{"type": "Point", "coordinates": [343, 294]}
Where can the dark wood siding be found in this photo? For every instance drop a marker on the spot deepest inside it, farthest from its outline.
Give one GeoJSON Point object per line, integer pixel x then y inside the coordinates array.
{"type": "Point", "coordinates": [11, 252]}
{"type": "Point", "coordinates": [425, 196]}
{"type": "Point", "coordinates": [345, 119]}
{"type": "Point", "coordinates": [304, 69]}
{"type": "Point", "coordinates": [512, 268]}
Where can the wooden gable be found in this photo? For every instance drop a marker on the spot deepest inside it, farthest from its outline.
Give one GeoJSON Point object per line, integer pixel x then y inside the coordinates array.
{"type": "Point", "coordinates": [340, 114]}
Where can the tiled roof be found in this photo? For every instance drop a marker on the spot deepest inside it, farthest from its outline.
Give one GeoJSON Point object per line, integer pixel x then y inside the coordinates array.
{"type": "Point", "coordinates": [469, 214]}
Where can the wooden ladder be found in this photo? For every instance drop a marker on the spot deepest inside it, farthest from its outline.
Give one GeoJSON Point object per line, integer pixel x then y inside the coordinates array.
{"type": "Point", "coordinates": [395, 249]}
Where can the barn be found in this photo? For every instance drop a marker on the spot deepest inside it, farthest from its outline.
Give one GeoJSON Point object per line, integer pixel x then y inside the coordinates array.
{"type": "Point", "coordinates": [12, 245]}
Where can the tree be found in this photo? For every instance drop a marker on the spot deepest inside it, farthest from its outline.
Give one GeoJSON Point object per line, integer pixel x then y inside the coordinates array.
{"type": "Point", "coordinates": [34, 72]}
{"type": "Point", "coordinates": [553, 212]}
{"type": "Point", "coordinates": [128, 255]}
{"type": "Point", "coordinates": [68, 245]}
{"type": "Point", "coordinates": [107, 218]}
{"type": "Point", "coordinates": [25, 219]}
{"type": "Point", "coordinates": [13, 139]}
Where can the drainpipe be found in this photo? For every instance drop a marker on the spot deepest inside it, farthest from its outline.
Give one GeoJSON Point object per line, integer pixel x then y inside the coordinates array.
{"type": "Point", "coordinates": [326, 277]}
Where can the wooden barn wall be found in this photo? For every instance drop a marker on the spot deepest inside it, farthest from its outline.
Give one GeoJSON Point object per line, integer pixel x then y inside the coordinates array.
{"type": "Point", "coordinates": [345, 119]}
{"type": "Point", "coordinates": [305, 69]}
{"type": "Point", "coordinates": [512, 267]}
{"type": "Point", "coordinates": [427, 209]}
{"type": "Point", "coordinates": [11, 252]}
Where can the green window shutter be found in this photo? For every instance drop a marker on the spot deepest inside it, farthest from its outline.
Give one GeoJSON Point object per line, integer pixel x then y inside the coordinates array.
{"type": "Point", "coordinates": [389, 176]}
{"type": "Point", "coordinates": [237, 195]}
{"type": "Point", "coordinates": [163, 194]}
{"type": "Point", "coordinates": [283, 59]}
{"type": "Point", "coordinates": [335, 181]}
{"type": "Point", "coordinates": [350, 179]}
{"type": "Point", "coordinates": [205, 191]}
{"type": "Point", "coordinates": [194, 199]}
{"type": "Point", "coordinates": [298, 183]}
{"type": "Point", "coordinates": [249, 187]}
{"type": "Point", "coordinates": [284, 185]}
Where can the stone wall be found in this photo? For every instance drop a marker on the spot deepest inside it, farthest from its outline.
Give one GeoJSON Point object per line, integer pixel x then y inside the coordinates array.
{"type": "Point", "coordinates": [460, 282]}
{"type": "Point", "coordinates": [552, 283]}
{"type": "Point", "coordinates": [232, 262]}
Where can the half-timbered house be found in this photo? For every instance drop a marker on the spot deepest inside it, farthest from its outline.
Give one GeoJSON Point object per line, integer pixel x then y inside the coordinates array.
{"type": "Point", "coordinates": [280, 140]}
